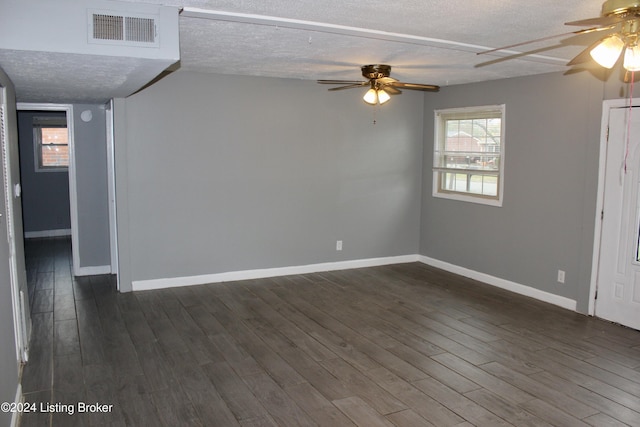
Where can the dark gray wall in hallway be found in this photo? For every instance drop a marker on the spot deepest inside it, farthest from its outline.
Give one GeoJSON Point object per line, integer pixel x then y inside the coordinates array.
{"type": "Point", "coordinates": [45, 195]}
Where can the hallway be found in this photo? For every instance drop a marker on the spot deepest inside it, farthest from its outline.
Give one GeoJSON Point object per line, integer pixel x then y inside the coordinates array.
{"type": "Point", "coordinates": [61, 307]}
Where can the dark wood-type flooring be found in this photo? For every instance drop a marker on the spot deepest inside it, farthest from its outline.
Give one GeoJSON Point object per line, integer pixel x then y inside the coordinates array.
{"type": "Point", "coordinates": [403, 345]}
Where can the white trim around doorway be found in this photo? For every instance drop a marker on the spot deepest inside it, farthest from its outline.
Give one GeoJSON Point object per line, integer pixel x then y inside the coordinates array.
{"type": "Point", "coordinates": [73, 193]}
{"type": "Point", "coordinates": [607, 106]}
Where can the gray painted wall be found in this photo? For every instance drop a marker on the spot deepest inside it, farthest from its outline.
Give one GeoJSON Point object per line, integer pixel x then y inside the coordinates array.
{"type": "Point", "coordinates": [91, 184]}
{"type": "Point", "coordinates": [222, 173]}
{"type": "Point", "coordinates": [546, 222]}
{"type": "Point", "coordinates": [45, 195]}
{"type": "Point", "coordinates": [225, 173]}
{"type": "Point", "coordinates": [8, 362]}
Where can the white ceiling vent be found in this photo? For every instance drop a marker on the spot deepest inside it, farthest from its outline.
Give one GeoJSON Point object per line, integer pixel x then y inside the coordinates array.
{"type": "Point", "coordinates": [110, 27]}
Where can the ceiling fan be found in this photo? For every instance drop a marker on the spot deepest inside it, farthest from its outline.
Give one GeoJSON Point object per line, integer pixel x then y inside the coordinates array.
{"type": "Point", "coordinates": [381, 85]}
{"type": "Point", "coordinates": [622, 17]}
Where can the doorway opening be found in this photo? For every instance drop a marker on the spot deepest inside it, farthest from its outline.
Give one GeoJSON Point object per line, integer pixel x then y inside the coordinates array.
{"type": "Point", "coordinates": [47, 171]}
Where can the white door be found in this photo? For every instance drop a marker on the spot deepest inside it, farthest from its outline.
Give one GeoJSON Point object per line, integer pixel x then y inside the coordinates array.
{"type": "Point", "coordinates": [618, 291]}
{"type": "Point", "coordinates": [12, 220]}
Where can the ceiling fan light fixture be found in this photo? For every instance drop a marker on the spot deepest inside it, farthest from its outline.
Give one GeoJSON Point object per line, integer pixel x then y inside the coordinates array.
{"type": "Point", "coordinates": [383, 96]}
{"type": "Point", "coordinates": [607, 52]}
{"type": "Point", "coordinates": [632, 58]}
{"type": "Point", "coordinates": [371, 97]}
{"type": "Point", "coordinates": [376, 96]}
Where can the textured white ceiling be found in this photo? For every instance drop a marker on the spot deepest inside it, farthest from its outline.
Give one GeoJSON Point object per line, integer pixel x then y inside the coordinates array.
{"type": "Point", "coordinates": [447, 33]}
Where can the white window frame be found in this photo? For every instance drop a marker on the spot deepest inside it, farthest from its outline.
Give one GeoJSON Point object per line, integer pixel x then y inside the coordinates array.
{"type": "Point", "coordinates": [37, 142]}
{"type": "Point", "coordinates": [440, 117]}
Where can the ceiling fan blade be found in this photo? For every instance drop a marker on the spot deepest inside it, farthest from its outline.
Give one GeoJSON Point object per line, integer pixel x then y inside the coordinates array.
{"type": "Point", "coordinates": [601, 21]}
{"type": "Point", "coordinates": [341, 82]}
{"type": "Point", "coordinates": [386, 80]}
{"type": "Point", "coordinates": [386, 83]}
{"type": "Point", "coordinates": [581, 58]}
{"type": "Point", "coordinates": [391, 90]}
{"type": "Point", "coordinates": [541, 39]}
{"type": "Point", "coordinates": [348, 86]}
{"type": "Point", "coordinates": [414, 86]}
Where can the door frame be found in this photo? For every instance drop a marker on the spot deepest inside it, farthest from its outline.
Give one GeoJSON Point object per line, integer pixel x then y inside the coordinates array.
{"type": "Point", "coordinates": [607, 106]}
{"type": "Point", "coordinates": [73, 194]}
{"type": "Point", "coordinates": [113, 225]}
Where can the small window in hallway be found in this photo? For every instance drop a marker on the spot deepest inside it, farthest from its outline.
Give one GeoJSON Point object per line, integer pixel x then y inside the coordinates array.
{"type": "Point", "coordinates": [51, 140]}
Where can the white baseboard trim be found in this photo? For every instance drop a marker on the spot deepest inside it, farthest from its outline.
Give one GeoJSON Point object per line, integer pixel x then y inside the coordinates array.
{"type": "Point", "coordinates": [92, 270]}
{"type": "Point", "coordinates": [15, 417]}
{"type": "Point", "coordinates": [502, 283]}
{"type": "Point", "coordinates": [145, 285]}
{"type": "Point", "coordinates": [47, 233]}
{"type": "Point", "coordinates": [174, 282]}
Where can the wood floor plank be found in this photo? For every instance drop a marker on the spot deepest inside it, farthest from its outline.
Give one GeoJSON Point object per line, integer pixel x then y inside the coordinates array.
{"type": "Point", "coordinates": [360, 413]}
{"type": "Point", "coordinates": [236, 356]}
{"type": "Point", "coordinates": [64, 306]}
{"type": "Point", "coordinates": [68, 375]}
{"type": "Point", "coordinates": [90, 333]}
{"type": "Point", "coordinates": [487, 381]}
{"type": "Point", "coordinates": [459, 404]}
{"type": "Point", "coordinates": [136, 406]}
{"type": "Point", "coordinates": [534, 388]}
{"type": "Point", "coordinates": [551, 414]}
{"type": "Point", "coordinates": [235, 392]}
{"type": "Point", "coordinates": [331, 333]}
{"type": "Point", "coordinates": [362, 386]}
{"type": "Point", "coordinates": [38, 373]}
{"type": "Point", "coordinates": [603, 375]}
{"type": "Point", "coordinates": [408, 418]}
{"type": "Point", "coordinates": [65, 337]}
{"type": "Point", "coordinates": [289, 322]}
{"type": "Point", "coordinates": [423, 405]}
{"type": "Point", "coordinates": [36, 418]}
{"type": "Point", "coordinates": [602, 420]}
{"type": "Point", "coordinates": [319, 408]}
{"type": "Point", "coordinates": [616, 368]}
{"type": "Point", "coordinates": [174, 409]}
{"type": "Point", "coordinates": [590, 398]}
{"type": "Point", "coordinates": [321, 379]}
{"type": "Point", "coordinates": [270, 361]}
{"type": "Point", "coordinates": [277, 402]}
{"type": "Point", "coordinates": [434, 369]}
{"type": "Point", "coordinates": [506, 410]}
{"type": "Point", "coordinates": [42, 301]}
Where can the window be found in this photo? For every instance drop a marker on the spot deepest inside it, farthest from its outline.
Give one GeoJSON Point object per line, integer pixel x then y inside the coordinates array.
{"type": "Point", "coordinates": [468, 161]}
{"type": "Point", "coordinates": [51, 141]}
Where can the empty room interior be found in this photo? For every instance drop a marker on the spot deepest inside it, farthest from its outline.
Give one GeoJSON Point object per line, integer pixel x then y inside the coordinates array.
{"type": "Point", "coordinates": [339, 213]}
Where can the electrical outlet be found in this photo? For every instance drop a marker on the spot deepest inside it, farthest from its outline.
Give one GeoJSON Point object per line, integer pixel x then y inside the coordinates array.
{"type": "Point", "coordinates": [560, 276]}
{"type": "Point", "coordinates": [338, 245]}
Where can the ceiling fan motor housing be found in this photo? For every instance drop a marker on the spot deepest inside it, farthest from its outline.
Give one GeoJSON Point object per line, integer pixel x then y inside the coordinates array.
{"type": "Point", "coordinates": [621, 7]}
{"type": "Point", "coordinates": [376, 71]}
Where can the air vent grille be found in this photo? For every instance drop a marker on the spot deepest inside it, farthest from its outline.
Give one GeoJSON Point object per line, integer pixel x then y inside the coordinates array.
{"type": "Point", "coordinates": [128, 30]}
{"type": "Point", "coordinates": [108, 27]}
{"type": "Point", "coordinates": [139, 30]}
